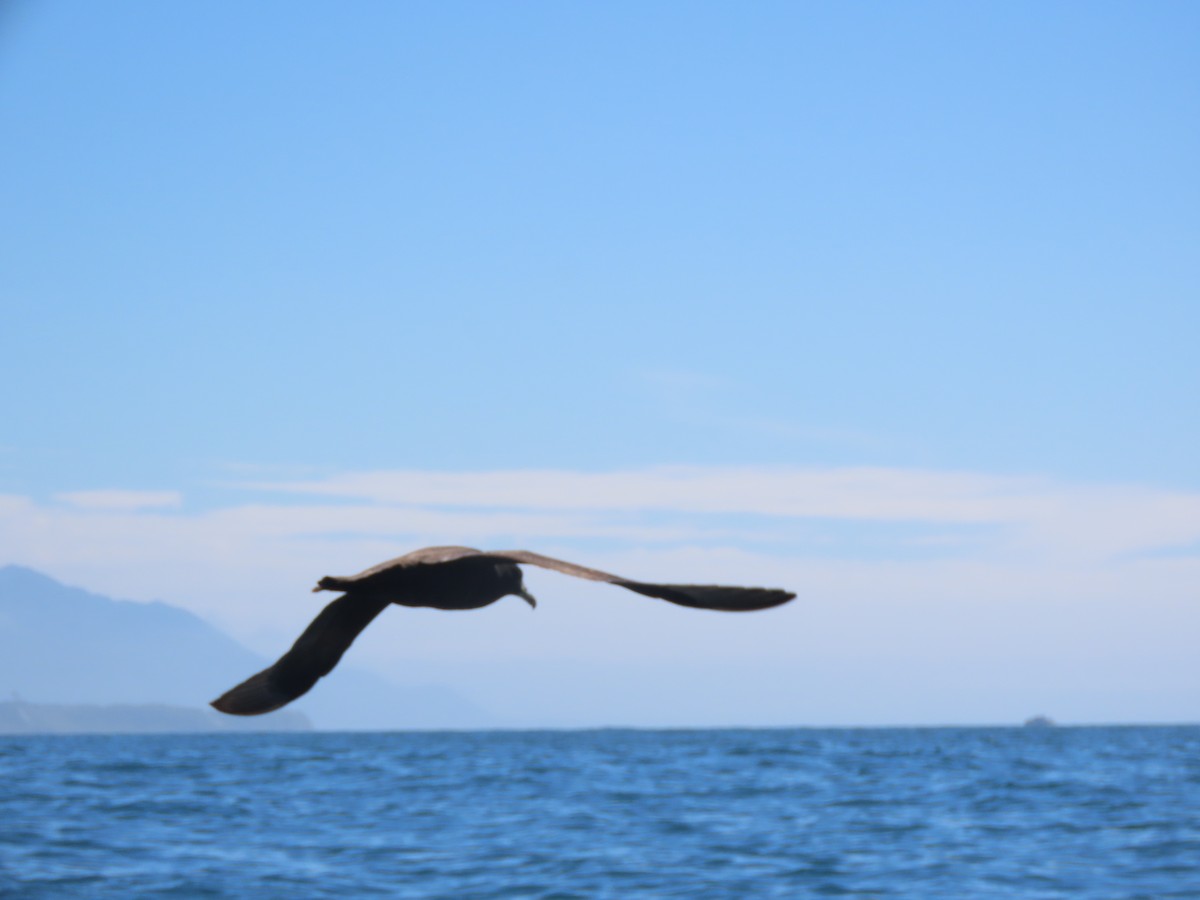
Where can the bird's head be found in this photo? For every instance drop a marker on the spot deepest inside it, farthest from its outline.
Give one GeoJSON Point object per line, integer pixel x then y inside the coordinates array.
{"type": "Point", "coordinates": [526, 596]}
{"type": "Point", "coordinates": [515, 583]}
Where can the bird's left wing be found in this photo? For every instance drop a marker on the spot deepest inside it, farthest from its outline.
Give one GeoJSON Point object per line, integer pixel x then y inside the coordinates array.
{"type": "Point", "coordinates": [313, 656]}
{"type": "Point", "coordinates": [697, 596]}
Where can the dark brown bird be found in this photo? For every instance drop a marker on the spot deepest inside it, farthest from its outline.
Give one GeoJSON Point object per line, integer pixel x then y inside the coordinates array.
{"type": "Point", "coordinates": [444, 578]}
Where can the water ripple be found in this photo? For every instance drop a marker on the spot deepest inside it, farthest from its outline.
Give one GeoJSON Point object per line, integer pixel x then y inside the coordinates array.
{"type": "Point", "coordinates": [931, 813]}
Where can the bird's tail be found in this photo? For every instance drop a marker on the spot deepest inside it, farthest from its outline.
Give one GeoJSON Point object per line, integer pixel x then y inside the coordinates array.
{"type": "Point", "coordinates": [331, 583]}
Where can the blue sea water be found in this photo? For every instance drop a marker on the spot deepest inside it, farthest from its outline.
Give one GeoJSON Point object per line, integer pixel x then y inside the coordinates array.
{"type": "Point", "coordinates": [871, 813]}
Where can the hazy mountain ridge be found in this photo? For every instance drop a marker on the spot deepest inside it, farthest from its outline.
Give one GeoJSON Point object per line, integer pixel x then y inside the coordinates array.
{"type": "Point", "coordinates": [65, 645]}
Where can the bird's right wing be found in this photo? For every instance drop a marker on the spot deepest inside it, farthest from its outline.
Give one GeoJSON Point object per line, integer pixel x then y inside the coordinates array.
{"type": "Point", "coordinates": [697, 596]}
{"type": "Point", "coordinates": [313, 656]}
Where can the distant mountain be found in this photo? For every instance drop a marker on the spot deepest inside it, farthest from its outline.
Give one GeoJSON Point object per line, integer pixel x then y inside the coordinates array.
{"type": "Point", "coordinates": [64, 645]}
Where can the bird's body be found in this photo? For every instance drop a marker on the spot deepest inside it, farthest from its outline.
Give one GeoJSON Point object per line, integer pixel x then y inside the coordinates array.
{"type": "Point", "coordinates": [452, 578]}
{"type": "Point", "coordinates": [438, 577]}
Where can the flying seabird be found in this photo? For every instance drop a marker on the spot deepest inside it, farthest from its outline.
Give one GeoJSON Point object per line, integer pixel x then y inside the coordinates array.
{"type": "Point", "coordinates": [443, 578]}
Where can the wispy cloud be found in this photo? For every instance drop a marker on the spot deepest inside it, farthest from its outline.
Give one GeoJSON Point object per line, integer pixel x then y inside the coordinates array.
{"type": "Point", "coordinates": [851, 493]}
{"type": "Point", "coordinates": [1103, 518]}
{"type": "Point", "coordinates": [717, 403]}
{"type": "Point", "coordinates": [889, 563]}
{"type": "Point", "coordinates": [865, 536]}
{"type": "Point", "coordinates": [675, 387]}
{"type": "Point", "coordinates": [112, 499]}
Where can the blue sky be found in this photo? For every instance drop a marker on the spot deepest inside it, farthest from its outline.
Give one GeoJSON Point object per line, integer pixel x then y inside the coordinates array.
{"type": "Point", "coordinates": [929, 271]}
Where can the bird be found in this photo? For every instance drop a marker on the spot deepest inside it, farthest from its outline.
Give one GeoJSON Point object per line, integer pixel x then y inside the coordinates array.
{"type": "Point", "coordinates": [443, 578]}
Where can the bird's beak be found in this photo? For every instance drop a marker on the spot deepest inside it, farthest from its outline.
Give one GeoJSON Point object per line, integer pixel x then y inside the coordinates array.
{"type": "Point", "coordinates": [527, 597]}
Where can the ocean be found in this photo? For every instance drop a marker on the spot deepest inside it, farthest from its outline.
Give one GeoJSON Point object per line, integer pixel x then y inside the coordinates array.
{"type": "Point", "coordinates": [863, 813]}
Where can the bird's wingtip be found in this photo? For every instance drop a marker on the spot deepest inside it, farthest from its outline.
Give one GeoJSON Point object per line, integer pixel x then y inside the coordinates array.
{"type": "Point", "coordinates": [253, 697]}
